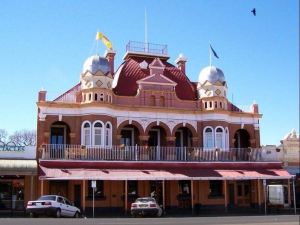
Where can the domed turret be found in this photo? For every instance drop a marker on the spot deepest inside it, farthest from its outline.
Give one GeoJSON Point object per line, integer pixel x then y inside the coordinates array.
{"type": "Point", "coordinates": [212, 88]}
{"type": "Point", "coordinates": [211, 74]}
{"type": "Point", "coordinates": [96, 63]}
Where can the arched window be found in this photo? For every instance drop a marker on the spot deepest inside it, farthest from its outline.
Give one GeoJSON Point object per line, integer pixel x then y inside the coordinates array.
{"type": "Point", "coordinates": [220, 138]}
{"type": "Point", "coordinates": [86, 133]}
{"type": "Point", "coordinates": [98, 133]}
{"type": "Point", "coordinates": [96, 97]}
{"type": "Point", "coordinates": [108, 135]}
{"type": "Point", "coordinates": [208, 138]}
{"type": "Point", "coordinates": [226, 138]}
{"type": "Point", "coordinates": [162, 101]}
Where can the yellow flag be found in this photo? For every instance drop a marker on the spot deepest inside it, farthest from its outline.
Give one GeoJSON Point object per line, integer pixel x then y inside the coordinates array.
{"type": "Point", "coordinates": [99, 36]}
{"type": "Point", "coordinates": [105, 40]}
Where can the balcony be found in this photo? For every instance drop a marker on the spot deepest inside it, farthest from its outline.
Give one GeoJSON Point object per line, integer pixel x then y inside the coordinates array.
{"type": "Point", "coordinates": [145, 153]}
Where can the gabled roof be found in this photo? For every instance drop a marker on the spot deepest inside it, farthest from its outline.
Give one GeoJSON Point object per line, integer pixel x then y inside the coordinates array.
{"type": "Point", "coordinates": [131, 72]}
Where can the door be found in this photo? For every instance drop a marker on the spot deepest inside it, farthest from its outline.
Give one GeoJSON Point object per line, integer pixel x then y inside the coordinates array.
{"type": "Point", "coordinates": [156, 191]}
{"type": "Point", "coordinates": [77, 195]}
{"type": "Point", "coordinates": [154, 144]}
{"type": "Point", "coordinates": [57, 135]}
{"type": "Point", "coordinates": [62, 206]}
{"type": "Point", "coordinates": [243, 193]}
{"type": "Point", "coordinates": [231, 195]}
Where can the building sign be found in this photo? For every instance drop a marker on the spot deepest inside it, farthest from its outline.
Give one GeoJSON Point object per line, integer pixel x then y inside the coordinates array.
{"type": "Point", "coordinates": [11, 151]}
{"type": "Point", "coordinates": [12, 148]}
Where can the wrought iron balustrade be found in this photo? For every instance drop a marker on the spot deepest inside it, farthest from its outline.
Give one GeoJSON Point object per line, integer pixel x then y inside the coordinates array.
{"type": "Point", "coordinates": [146, 153]}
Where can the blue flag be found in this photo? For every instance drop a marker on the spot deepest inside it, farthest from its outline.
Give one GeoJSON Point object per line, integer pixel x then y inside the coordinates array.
{"type": "Point", "coordinates": [213, 51]}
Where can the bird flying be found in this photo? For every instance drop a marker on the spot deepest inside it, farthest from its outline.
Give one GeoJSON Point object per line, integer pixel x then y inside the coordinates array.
{"type": "Point", "coordinates": [253, 11]}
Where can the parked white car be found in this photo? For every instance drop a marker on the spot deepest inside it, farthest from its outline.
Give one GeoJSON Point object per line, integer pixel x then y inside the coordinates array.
{"type": "Point", "coordinates": [146, 206]}
{"type": "Point", "coordinates": [52, 205]}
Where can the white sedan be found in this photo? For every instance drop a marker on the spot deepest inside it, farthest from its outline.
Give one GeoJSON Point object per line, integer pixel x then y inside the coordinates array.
{"type": "Point", "coordinates": [145, 206]}
{"type": "Point", "coordinates": [52, 205]}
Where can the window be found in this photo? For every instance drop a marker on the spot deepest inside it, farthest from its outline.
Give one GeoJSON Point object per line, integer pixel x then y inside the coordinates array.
{"type": "Point", "coordinates": [152, 100]}
{"type": "Point", "coordinates": [162, 101]}
{"type": "Point", "coordinates": [96, 97]}
{"type": "Point", "coordinates": [108, 134]}
{"type": "Point", "coordinates": [208, 141]}
{"type": "Point", "coordinates": [210, 104]}
{"type": "Point", "coordinates": [185, 187]}
{"type": "Point", "coordinates": [220, 138]}
{"type": "Point", "coordinates": [226, 138]}
{"type": "Point", "coordinates": [90, 97]}
{"type": "Point", "coordinates": [205, 105]}
{"type": "Point", "coordinates": [86, 134]}
{"type": "Point", "coordinates": [99, 190]}
{"type": "Point", "coordinates": [98, 133]}
{"type": "Point", "coordinates": [216, 104]}
{"type": "Point", "coordinates": [221, 106]}
{"type": "Point", "coordinates": [101, 97]}
{"type": "Point", "coordinates": [132, 187]}
{"type": "Point", "coordinates": [216, 188]}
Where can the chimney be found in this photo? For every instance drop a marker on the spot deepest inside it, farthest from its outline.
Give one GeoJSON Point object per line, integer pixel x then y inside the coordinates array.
{"type": "Point", "coordinates": [254, 108]}
{"type": "Point", "coordinates": [42, 95]}
{"type": "Point", "coordinates": [180, 61]}
{"type": "Point", "coordinates": [110, 56]}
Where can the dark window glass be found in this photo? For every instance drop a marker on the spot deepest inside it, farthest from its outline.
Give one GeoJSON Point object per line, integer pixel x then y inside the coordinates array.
{"type": "Point", "coordinates": [216, 188]}
{"type": "Point", "coordinates": [99, 190]}
{"type": "Point", "coordinates": [132, 187]}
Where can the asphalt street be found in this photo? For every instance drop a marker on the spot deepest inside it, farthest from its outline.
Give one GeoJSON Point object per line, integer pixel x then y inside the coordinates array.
{"type": "Point", "coordinates": [237, 220]}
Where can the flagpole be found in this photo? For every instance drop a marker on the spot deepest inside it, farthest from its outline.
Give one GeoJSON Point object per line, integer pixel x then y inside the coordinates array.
{"type": "Point", "coordinates": [97, 43]}
{"type": "Point", "coordinates": [209, 55]}
{"type": "Point", "coordinates": [146, 31]}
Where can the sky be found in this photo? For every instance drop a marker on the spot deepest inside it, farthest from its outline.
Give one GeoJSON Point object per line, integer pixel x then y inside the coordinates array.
{"type": "Point", "coordinates": [43, 44]}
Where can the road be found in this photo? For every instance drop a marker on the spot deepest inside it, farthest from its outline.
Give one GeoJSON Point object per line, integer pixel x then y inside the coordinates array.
{"type": "Point", "coordinates": [237, 220]}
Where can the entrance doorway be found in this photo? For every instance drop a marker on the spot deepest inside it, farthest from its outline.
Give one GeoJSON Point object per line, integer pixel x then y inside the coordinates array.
{"type": "Point", "coordinates": [243, 193]}
{"type": "Point", "coordinates": [156, 190]}
{"type": "Point", "coordinates": [77, 195]}
{"type": "Point", "coordinates": [231, 191]}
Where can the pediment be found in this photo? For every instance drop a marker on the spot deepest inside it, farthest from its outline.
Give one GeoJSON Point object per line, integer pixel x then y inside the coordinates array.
{"type": "Point", "coordinates": [157, 79]}
{"type": "Point", "coordinates": [157, 63]}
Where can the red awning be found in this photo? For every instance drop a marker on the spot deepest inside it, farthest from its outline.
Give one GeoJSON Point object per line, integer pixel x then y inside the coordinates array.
{"type": "Point", "coordinates": [135, 174]}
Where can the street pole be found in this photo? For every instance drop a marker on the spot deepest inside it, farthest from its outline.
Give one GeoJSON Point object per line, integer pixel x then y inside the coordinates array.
{"type": "Point", "coordinates": [294, 196]}
{"type": "Point", "coordinates": [93, 202]}
{"type": "Point", "coordinates": [265, 193]}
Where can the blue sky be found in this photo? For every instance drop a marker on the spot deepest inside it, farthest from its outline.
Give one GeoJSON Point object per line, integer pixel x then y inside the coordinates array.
{"type": "Point", "coordinates": [43, 44]}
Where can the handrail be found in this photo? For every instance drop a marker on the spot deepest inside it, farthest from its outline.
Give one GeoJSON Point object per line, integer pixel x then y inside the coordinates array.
{"type": "Point", "coordinates": [147, 153]}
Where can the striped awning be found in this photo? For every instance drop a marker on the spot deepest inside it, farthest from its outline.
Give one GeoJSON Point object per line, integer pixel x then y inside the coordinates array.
{"type": "Point", "coordinates": [18, 167]}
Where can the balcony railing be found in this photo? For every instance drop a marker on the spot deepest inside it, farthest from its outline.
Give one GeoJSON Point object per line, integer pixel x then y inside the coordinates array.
{"type": "Point", "coordinates": [143, 153]}
{"type": "Point", "coordinates": [141, 47]}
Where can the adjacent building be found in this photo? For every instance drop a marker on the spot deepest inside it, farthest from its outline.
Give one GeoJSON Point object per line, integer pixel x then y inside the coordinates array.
{"type": "Point", "coordinates": [18, 177]}
{"type": "Point", "coordinates": [146, 128]}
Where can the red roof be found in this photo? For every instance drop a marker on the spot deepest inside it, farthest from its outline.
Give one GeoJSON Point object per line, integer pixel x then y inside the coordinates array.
{"type": "Point", "coordinates": [131, 72]}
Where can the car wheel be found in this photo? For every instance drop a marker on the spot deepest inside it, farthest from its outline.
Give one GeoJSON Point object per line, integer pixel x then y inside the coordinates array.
{"type": "Point", "coordinates": [159, 214]}
{"type": "Point", "coordinates": [32, 215]}
{"type": "Point", "coordinates": [58, 213]}
{"type": "Point", "coordinates": [76, 215]}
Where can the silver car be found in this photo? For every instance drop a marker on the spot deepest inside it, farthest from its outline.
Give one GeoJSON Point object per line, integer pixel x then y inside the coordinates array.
{"type": "Point", "coordinates": [52, 205]}
{"type": "Point", "coordinates": [146, 206]}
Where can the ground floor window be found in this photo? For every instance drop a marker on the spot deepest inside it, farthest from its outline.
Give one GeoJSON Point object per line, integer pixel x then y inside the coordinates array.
{"type": "Point", "coordinates": [99, 190]}
{"type": "Point", "coordinates": [215, 188]}
{"type": "Point", "coordinates": [11, 193]}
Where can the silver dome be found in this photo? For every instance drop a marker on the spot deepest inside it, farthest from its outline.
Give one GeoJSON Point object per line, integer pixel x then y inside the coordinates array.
{"type": "Point", "coordinates": [95, 63]}
{"type": "Point", "coordinates": [211, 74]}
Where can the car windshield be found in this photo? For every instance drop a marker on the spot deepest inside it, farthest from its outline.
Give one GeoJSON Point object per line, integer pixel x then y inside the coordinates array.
{"type": "Point", "coordinates": [145, 200]}
{"type": "Point", "coordinates": [48, 197]}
